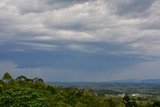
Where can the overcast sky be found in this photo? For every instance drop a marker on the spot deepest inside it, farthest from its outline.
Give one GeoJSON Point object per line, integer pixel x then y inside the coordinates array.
{"type": "Point", "coordinates": [80, 40]}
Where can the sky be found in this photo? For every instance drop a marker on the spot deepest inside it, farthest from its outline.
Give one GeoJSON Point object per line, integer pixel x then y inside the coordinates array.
{"type": "Point", "coordinates": [80, 40]}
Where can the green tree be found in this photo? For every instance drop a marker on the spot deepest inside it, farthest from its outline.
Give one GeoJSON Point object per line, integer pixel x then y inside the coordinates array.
{"type": "Point", "coordinates": [7, 77]}
{"type": "Point", "coordinates": [21, 78]}
{"type": "Point", "coordinates": [129, 102]}
{"type": "Point", "coordinates": [38, 80]}
{"type": "Point", "coordinates": [156, 104]}
{"type": "Point", "coordinates": [2, 82]}
{"type": "Point", "coordinates": [24, 97]}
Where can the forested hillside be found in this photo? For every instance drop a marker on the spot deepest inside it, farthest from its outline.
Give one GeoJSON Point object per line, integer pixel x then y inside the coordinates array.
{"type": "Point", "coordinates": [26, 92]}
{"type": "Point", "coordinates": [114, 87]}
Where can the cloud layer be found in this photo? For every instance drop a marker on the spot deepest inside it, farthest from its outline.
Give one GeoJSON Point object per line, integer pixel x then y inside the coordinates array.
{"type": "Point", "coordinates": [98, 33]}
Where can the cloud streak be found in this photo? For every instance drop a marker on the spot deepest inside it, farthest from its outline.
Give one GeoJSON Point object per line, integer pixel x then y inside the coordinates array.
{"type": "Point", "coordinates": [101, 21]}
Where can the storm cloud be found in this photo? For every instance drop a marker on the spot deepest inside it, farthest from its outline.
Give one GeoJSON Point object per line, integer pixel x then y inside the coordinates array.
{"type": "Point", "coordinates": [83, 36]}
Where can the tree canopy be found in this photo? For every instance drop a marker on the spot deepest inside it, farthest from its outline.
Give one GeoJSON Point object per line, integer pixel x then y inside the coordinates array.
{"type": "Point", "coordinates": [7, 77]}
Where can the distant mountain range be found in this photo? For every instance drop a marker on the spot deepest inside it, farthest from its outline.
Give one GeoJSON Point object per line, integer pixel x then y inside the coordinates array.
{"type": "Point", "coordinates": [152, 81]}
{"type": "Point", "coordinates": [145, 81]}
{"type": "Point", "coordinates": [117, 86]}
{"type": "Point", "coordinates": [148, 81]}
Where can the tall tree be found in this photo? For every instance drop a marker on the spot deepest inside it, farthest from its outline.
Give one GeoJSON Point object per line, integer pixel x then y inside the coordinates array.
{"type": "Point", "coordinates": [7, 77]}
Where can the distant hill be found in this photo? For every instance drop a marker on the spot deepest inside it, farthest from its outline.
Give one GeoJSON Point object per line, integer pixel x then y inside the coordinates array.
{"type": "Point", "coordinates": [127, 81]}
{"type": "Point", "coordinates": [151, 81]}
{"type": "Point", "coordinates": [142, 86]}
{"type": "Point", "coordinates": [147, 81]}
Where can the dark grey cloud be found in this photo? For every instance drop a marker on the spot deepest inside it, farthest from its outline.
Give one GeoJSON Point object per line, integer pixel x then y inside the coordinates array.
{"type": "Point", "coordinates": [132, 8]}
{"type": "Point", "coordinates": [38, 6]}
{"type": "Point", "coordinates": [75, 56]}
{"type": "Point", "coordinates": [63, 3]}
{"type": "Point", "coordinates": [74, 61]}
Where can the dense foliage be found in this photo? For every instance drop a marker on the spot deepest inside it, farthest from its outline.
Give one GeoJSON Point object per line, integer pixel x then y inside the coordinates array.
{"type": "Point", "coordinates": [25, 92]}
